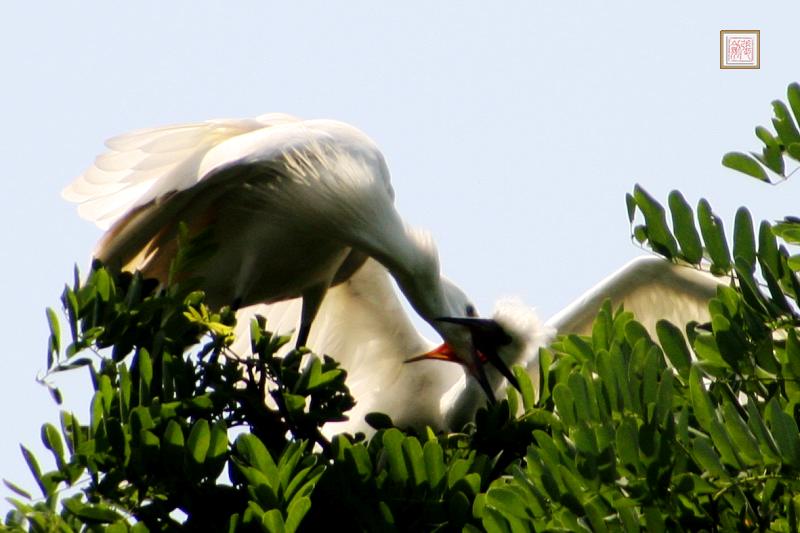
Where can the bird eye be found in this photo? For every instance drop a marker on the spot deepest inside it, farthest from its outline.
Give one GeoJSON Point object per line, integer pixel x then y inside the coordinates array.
{"type": "Point", "coordinates": [470, 311]}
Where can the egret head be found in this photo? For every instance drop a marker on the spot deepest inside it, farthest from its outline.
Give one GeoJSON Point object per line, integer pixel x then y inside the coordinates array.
{"type": "Point", "coordinates": [470, 340]}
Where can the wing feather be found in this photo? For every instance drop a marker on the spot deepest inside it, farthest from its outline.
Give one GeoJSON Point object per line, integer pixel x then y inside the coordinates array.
{"type": "Point", "coordinates": [144, 165]}
{"type": "Point", "coordinates": [651, 288]}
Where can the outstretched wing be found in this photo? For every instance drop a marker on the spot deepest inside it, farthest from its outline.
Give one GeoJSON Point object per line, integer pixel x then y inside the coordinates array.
{"type": "Point", "coordinates": [147, 164]}
{"type": "Point", "coordinates": [363, 325]}
{"type": "Point", "coordinates": [649, 287]}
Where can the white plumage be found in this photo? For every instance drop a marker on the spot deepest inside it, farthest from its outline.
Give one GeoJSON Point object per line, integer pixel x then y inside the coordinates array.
{"type": "Point", "coordinates": [303, 215]}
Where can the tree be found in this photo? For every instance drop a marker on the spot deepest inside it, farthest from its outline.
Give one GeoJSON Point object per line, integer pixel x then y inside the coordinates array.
{"type": "Point", "coordinates": [697, 429]}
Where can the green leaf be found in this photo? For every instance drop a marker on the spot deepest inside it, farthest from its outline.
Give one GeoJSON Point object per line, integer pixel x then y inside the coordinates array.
{"type": "Point", "coordinates": [788, 231]}
{"type": "Point", "coordinates": [52, 441]}
{"type": "Point", "coordinates": [775, 290]}
{"type": "Point", "coordinates": [701, 403]}
{"type": "Point", "coordinates": [794, 151]}
{"type": "Point", "coordinates": [272, 521]}
{"type": "Point", "coordinates": [742, 437]}
{"type": "Point", "coordinates": [288, 461]}
{"type": "Point", "coordinates": [103, 284]}
{"type": "Point", "coordinates": [745, 164]}
{"type": "Point", "coordinates": [510, 501]}
{"type": "Point", "coordinates": [144, 364]}
{"type": "Point", "coordinates": [25, 494]}
{"type": "Point", "coordinates": [199, 441]}
{"type": "Point", "coordinates": [627, 443]}
{"type": "Point", "coordinates": [90, 513]}
{"type": "Point", "coordinates": [253, 451]}
{"type": "Point", "coordinates": [295, 513]}
{"type": "Point", "coordinates": [658, 232]}
{"type": "Point", "coordinates": [630, 204]}
{"type": "Point", "coordinates": [768, 248]}
{"type": "Point", "coordinates": [434, 463]}
{"type": "Point", "coordinates": [684, 226]}
{"type": "Point", "coordinates": [674, 345]}
{"type": "Point", "coordinates": [217, 449]}
{"type": "Point", "coordinates": [766, 443]}
{"type": "Point", "coordinates": [294, 402]}
{"type": "Point", "coordinates": [565, 403]}
{"type": "Point", "coordinates": [793, 93]}
{"type": "Point", "coordinates": [665, 396]}
{"type": "Point", "coordinates": [54, 345]}
{"type": "Point", "coordinates": [392, 445]}
{"type": "Point", "coordinates": [751, 293]}
{"type": "Point", "coordinates": [173, 440]}
{"type": "Point", "coordinates": [784, 124]}
{"type": "Point", "coordinates": [412, 451]}
{"type": "Point", "coordinates": [44, 485]}
{"type": "Point", "coordinates": [575, 345]}
{"type": "Point", "coordinates": [707, 458]}
{"type": "Point", "coordinates": [772, 153]}
{"type": "Point", "coordinates": [784, 430]}
{"type": "Point", "coordinates": [714, 236]}
{"type": "Point", "coordinates": [744, 240]}
{"type": "Point", "coordinates": [580, 395]}
{"type": "Point", "coordinates": [526, 387]}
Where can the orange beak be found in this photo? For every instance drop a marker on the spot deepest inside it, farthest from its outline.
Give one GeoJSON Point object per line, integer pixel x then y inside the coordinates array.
{"type": "Point", "coordinates": [445, 353]}
{"type": "Point", "coordinates": [440, 353]}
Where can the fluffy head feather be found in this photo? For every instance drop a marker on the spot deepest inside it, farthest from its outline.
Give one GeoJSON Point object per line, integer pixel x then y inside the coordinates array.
{"type": "Point", "coordinates": [527, 332]}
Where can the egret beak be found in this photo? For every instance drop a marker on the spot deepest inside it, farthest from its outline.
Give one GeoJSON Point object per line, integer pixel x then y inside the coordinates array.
{"type": "Point", "coordinates": [440, 353]}
{"type": "Point", "coordinates": [446, 353]}
{"type": "Point", "coordinates": [487, 338]}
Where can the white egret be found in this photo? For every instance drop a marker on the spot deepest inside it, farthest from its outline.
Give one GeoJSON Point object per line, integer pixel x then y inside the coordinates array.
{"type": "Point", "coordinates": [294, 206]}
{"type": "Point", "coordinates": [303, 214]}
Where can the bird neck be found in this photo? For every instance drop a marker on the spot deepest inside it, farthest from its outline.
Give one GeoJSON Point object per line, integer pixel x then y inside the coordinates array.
{"type": "Point", "coordinates": [414, 264]}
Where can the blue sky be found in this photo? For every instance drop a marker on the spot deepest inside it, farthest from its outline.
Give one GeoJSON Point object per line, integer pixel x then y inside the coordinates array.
{"type": "Point", "coordinates": [512, 130]}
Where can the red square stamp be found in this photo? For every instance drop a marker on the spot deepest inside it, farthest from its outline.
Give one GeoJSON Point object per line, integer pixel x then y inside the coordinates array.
{"type": "Point", "coordinates": [740, 49]}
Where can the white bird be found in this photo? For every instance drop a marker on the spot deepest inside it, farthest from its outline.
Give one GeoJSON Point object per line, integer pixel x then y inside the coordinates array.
{"type": "Point", "coordinates": [294, 207]}
{"type": "Point", "coordinates": [303, 215]}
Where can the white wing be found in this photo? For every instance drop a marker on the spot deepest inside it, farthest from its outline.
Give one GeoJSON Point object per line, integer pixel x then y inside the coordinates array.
{"type": "Point", "coordinates": [363, 325]}
{"type": "Point", "coordinates": [143, 165]}
{"type": "Point", "coordinates": [651, 288]}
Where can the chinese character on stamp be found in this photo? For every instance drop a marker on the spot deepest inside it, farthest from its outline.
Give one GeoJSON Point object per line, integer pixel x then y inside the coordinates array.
{"type": "Point", "coordinates": [740, 49]}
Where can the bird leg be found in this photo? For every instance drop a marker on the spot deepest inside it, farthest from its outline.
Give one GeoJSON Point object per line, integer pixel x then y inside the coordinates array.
{"type": "Point", "coordinates": [312, 299]}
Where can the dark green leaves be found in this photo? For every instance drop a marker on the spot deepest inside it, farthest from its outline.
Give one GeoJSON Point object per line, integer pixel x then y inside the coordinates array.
{"type": "Point", "coordinates": [685, 231]}
{"type": "Point", "coordinates": [778, 148]}
{"type": "Point", "coordinates": [714, 236]}
{"type": "Point", "coordinates": [658, 233]}
{"type": "Point", "coordinates": [686, 243]}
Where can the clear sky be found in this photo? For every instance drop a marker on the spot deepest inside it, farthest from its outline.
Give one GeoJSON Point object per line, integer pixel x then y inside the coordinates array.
{"type": "Point", "coordinates": [513, 130]}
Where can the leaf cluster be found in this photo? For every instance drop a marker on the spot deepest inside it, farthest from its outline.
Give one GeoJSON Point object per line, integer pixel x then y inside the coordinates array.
{"type": "Point", "coordinates": [178, 433]}
{"type": "Point", "coordinates": [779, 147]}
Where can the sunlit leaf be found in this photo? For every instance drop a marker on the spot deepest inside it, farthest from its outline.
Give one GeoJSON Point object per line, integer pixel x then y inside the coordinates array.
{"type": "Point", "coordinates": [744, 163]}
{"type": "Point", "coordinates": [685, 230]}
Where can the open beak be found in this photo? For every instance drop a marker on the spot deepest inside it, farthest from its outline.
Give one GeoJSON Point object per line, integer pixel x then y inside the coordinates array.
{"type": "Point", "coordinates": [487, 337]}
{"type": "Point", "coordinates": [446, 353]}
{"type": "Point", "coordinates": [440, 353]}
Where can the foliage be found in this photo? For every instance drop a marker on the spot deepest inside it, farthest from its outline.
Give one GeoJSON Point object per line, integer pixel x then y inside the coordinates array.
{"type": "Point", "coordinates": [694, 430]}
{"type": "Point", "coordinates": [779, 147]}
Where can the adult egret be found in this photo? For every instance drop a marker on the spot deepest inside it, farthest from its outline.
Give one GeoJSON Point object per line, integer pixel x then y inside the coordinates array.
{"type": "Point", "coordinates": [294, 207]}
{"type": "Point", "coordinates": [303, 215]}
